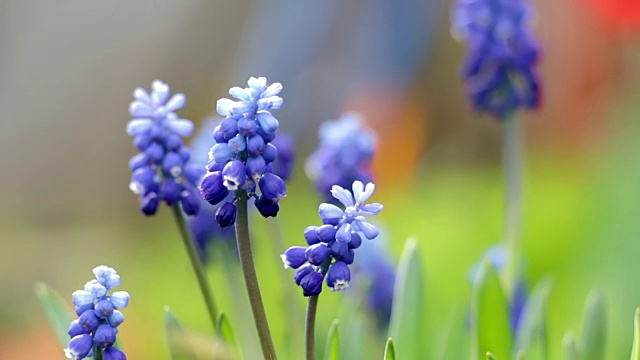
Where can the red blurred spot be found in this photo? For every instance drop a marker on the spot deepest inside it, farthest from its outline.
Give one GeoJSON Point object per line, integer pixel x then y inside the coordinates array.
{"type": "Point", "coordinates": [622, 15]}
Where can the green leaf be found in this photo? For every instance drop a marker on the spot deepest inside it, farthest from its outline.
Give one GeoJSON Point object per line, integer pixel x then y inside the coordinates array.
{"type": "Point", "coordinates": [531, 338]}
{"type": "Point", "coordinates": [570, 347]}
{"type": "Point", "coordinates": [332, 349]}
{"type": "Point", "coordinates": [490, 356]}
{"type": "Point", "coordinates": [635, 352]}
{"type": "Point", "coordinates": [224, 329]}
{"type": "Point", "coordinates": [407, 313]}
{"type": "Point", "coordinates": [56, 310]}
{"type": "Point", "coordinates": [592, 342]}
{"type": "Point", "coordinates": [177, 337]}
{"type": "Point", "coordinates": [389, 350]}
{"type": "Point", "coordinates": [489, 315]}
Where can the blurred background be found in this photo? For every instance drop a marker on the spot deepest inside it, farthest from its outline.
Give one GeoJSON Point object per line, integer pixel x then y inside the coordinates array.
{"type": "Point", "coordinates": [67, 71]}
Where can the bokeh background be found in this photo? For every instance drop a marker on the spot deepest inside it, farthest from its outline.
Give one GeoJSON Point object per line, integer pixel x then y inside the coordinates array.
{"type": "Point", "coordinates": [67, 70]}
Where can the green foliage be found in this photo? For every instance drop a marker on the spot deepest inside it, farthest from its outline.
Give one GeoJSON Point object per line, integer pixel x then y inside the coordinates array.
{"type": "Point", "coordinates": [489, 315]}
{"type": "Point", "coordinates": [56, 310]}
{"type": "Point", "coordinates": [389, 350]}
{"type": "Point", "coordinates": [570, 347]}
{"type": "Point", "coordinates": [592, 342]}
{"type": "Point", "coordinates": [531, 339]}
{"type": "Point", "coordinates": [332, 349]}
{"type": "Point", "coordinates": [635, 351]}
{"type": "Point", "coordinates": [406, 326]}
{"type": "Point", "coordinates": [490, 356]}
{"type": "Point", "coordinates": [177, 338]}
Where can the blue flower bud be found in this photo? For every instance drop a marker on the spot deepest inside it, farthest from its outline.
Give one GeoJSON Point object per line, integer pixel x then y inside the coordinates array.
{"type": "Point", "coordinates": [193, 172]}
{"type": "Point", "coordinates": [172, 164]}
{"type": "Point", "coordinates": [369, 231]}
{"type": "Point", "coordinates": [237, 144]}
{"type": "Point", "coordinates": [143, 181]}
{"type": "Point", "coordinates": [268, 137]}
{"type": "Point", "coordinates": [301, 272]}
{"type": "Point", "coordinates": [339, 249]}
{"type": "Point", "coordinates": [218, 136]}
{"type": "Point", "coordinates": [149, 203]}
{"type": "Point", "coordinates": [311, 235]}
{"type": "Point", "coordinates": [266, 207]}
{"type": "Point", "coordinates": [212, 188]}
{"type": "Point", "coordinates": [229, 127]}
{"type": "Point", "coordinates": [344, 233]}
{"type": "Point", "coordinates": [317, 253]}
{"type": "Point", "coordinates": [106, 276]}
{"type": "Point", "coordinates": [226, 215]}
{"type": "Point", "coordinates": [234, 175]}
{"type": "Point", "coordinates": [348, 258]}
{"type": "Point", "coordinates": [247, 127]}
{"type": "Point", "coordinates": [82, 297]}
{"type": "Point", "coordinates": [113, 353]}
{"type": "Point", "coordinates": [267, 122]}
{"type": "Point", "coordinates": [269, 153]}
{"type": "Point", "coordinates": [88, 320]}
{"type": "Point", "coordinates": [355, 242]}
{"type": "Point", "coordinates": [173, 142]}
{"type": "Point", "coordinates": [79, 347]}
{"type": "Point", "coordinates": [214, 166]}
{"type": "Point", "coordinates": [154, 152]}
{"type": "Point", "coordinates": [115, 319]}
{"type": "Point", "coordinates": [120, 299]}
{"type": "Point", "coordinates": [256, 166]}
{"type": "Point", "coordinates": [138, 161]}
{"type": "Point", "coordinates": [83, 308]}
{"type": "Point", "coordinates": [190, 201]}
{"type": "Point", "coordinates": [255, 145]}
{"type": "Point", "coordinates": [170, 192]}
{"type": "Point", "coordinates": [294, 257]}
{"type": "Point", "coordinates": [104, 336]}
{"type": "Point", "coordinates": [330, 214]}
{"type": "Point", "coordinates": [326, 233]}
{"type": "Point", "coordinates": [104, 308]}
{"type": "Point", "coordinates": [338, 276]}
{"type": "Point", "coordinates": [221, 153]}
{"type": "Point", "coordinates": [184, 153]}
{"type": "Point", "coordinates": [96, 289]}
{"type": "Point", "coordinates": [142, 142]}
{"type": "Point", "coordinates": [272, 187]}
{"type": "Point", "coordinates": [312, 284]}
{"type": "Point", "coordinates": [75, 329]}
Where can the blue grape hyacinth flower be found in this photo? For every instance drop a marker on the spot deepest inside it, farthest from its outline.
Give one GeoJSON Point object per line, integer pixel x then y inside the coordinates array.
{"type": "Point", "coordinates": [499, 68]}
{"type": "Point", "coordinates": [241, 160]}
{"type": "Point", "coordinates": [343, 156]}
{"type": "Point", "coordinates": [331, 245]}
{"type": "Point", "coordinates": [98, 316]}
{"type": "Point", "coordinates": [161, 171]}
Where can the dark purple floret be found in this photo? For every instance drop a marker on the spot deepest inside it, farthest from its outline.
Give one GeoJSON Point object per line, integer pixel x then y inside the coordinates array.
{"type": "Point", "coordinates": [226, 215]}
{"type": "Point", "coordinates": [499, 69]}
{"type": "Point", "coordinates": [312, 284]}
{"type": "Point", "coordinates": [266, 207]}
{"type": "Point", "coordinates": [113, 353]}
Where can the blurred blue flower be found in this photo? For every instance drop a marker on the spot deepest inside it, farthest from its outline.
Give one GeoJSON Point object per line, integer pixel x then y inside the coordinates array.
{"type": "Point", "coordinates": [242, 155]}
{"type": "Point", "coordinates": [499, 69]}
{"type": "Point", "coordinates": [331, 246]}
{"type": "Point", "coordinates": [99, 316]}
{"type": "Point", "coordinates": [161, 171]}
{"type": "Point", "coordinates": [343, 156]}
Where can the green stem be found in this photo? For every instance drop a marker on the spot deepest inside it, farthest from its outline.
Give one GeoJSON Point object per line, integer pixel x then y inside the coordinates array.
{"type": "Point", "coordinates": [512, 162]}
{"type": "Point", "coordinates": [97, 352]}
{"type": "Point", "coordinates": [310, 326]}
{"type": "Point", "coordinates": [251, 279]}
{"type": "Point", "coordinates": [201, 275]}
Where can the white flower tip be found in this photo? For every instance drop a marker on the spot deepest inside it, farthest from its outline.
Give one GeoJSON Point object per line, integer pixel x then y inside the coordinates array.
{"type": "Point", "coordinates": [284, 261]}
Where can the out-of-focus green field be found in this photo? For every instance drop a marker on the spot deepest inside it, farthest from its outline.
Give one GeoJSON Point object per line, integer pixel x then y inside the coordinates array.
{"type": "Point", "coordinates": [581, 226]}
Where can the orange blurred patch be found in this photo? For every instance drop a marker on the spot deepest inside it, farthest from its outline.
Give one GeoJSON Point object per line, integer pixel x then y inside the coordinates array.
{"type": "Point", "coordinates": [621, 15]}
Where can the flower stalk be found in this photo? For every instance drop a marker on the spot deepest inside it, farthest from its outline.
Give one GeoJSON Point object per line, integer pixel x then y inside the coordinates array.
{"type": "Point", "coordinates": [251, 279]}
{"type": "Point", "coordinates": [201, 275]}
{"type": "Point", "coordinates": [310, 325]}
{"type": "Point", "coordinates": [512, 164]}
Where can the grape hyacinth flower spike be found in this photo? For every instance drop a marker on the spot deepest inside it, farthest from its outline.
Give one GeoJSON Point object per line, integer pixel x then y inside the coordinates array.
{"type": "Point", "coordinates": [242, 156]}
{"type": "Point", "coordinates": [161, 171]}
{"type": "Point", "coordinates": [343, 156]}
{"type": "Point", "coordinates": [499, 69]}
{"type": "Point", "coordinates": [99, 317]}
{"type": "Point", "coordinates": [331, 246]}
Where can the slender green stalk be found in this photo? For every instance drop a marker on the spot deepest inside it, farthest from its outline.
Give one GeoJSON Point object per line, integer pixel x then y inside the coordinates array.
{"type": "Point", "coordinates": [512, 163]}
{"type": "Point", "coordinates": [251, 279]}
{"type": "Point", "coordinates": [97, 352]}
{"type": "Point", "coordinates": [198, 269]}
{"type": "Point", "coordinates": [310, 326]}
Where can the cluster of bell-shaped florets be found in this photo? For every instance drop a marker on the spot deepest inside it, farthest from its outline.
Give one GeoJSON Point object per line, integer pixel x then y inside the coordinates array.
{"type": "Point", "coordinates": [162, 171]}
{"type": "Point", "coordinates": [343, 156]}
{"type": "Point", "coordinates": [331, 246]}
{"type": "Point", "coordinates": [499, 69]}
{"type": "Point", "coordinates": [241, 159]}
{"type": "Point", "coordinates": [99, 317]}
